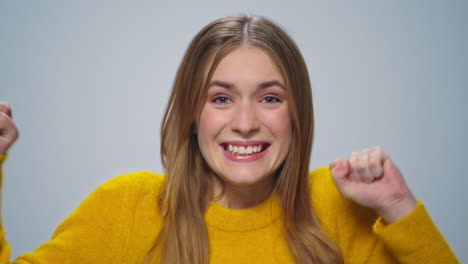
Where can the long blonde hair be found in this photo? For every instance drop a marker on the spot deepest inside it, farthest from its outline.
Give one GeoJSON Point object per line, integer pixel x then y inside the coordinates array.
{"type": "Point", "coordinates": [187, 190]}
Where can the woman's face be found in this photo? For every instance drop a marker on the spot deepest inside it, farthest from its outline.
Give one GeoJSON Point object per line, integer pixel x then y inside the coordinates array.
{"type": "Point", "coordinates": [244, 130]}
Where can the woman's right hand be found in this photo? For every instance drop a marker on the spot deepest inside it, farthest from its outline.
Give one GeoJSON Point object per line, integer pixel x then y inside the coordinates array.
{"type": "Point", "coordinates": [8, 131]}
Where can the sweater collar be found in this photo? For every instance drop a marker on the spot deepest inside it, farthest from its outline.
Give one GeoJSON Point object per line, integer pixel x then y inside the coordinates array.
{"type": "Point", "coordinates": [245, 219]}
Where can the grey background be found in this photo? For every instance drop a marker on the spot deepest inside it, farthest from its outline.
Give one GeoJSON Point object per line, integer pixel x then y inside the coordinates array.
{"type": "Point", "coordinates": [88, 82]}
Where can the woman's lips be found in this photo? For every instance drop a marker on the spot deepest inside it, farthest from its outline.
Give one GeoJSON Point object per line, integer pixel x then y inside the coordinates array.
{"type": "Point", "coordinates": [245, 142]}
{"type": "Point", "coordinates": [255, 155]}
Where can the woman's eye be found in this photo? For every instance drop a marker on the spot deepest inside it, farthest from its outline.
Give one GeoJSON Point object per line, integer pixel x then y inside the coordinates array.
{"type": "Point", "coordinates": [271, 100]}
{"type": "Point", "coordinates": [221, 100]}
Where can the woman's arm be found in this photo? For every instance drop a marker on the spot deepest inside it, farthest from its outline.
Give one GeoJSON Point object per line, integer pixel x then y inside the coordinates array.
{"type": "Point", "coordinates": [371, 180]}
{"type": "Point", "coordinates": [4, 247]}
{"type": "Point", "coordinates": [8, 135]}
{"type": "Point", "coordinates": [96, 232]}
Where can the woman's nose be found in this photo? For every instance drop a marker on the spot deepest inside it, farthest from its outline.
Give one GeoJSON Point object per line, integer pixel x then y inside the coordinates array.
{"type": "Point", "coordinates": [245, 120]}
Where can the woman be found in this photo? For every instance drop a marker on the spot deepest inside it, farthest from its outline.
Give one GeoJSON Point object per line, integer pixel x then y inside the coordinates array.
{"type": "Point", "coordinates": [236, 140]}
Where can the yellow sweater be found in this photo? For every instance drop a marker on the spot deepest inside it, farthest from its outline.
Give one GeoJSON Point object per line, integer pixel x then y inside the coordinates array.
{"type": "Point", "coordinates": [118, 223]}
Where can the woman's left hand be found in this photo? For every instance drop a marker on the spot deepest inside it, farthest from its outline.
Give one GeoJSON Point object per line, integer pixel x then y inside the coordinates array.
{"type": "Point", "coordinates": [371, 179]}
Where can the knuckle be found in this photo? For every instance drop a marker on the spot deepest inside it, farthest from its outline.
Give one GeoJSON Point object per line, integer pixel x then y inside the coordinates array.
{"type": "Point", "coordinates": [6, 122]}
{"type": "Point", "coordinates": [363, 158]}
{"type": "Point", "coordinates": [354, 156]}
{"type": "Point", "coordinates": [5, 107]}
{"type": "Point", "coordinates": [378, 149]}
{"type": "Point", "coordinates": [4, 104]}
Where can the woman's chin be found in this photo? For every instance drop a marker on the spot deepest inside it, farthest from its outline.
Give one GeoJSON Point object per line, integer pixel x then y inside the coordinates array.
{"type": "Point", "coordinates": [245, 180]}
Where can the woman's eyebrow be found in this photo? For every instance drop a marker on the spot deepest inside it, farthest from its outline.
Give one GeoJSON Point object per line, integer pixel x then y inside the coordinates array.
{"type": "Point", "coordinates": [261, 85]}
{"type": "Point", "coordinates": [267, 84]}
{"type": "Point", "coordinates": [221, 84]}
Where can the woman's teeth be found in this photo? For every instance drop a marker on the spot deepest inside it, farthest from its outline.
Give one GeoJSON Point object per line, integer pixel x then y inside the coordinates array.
{"type": "Point", "coordinates": [242, 150]}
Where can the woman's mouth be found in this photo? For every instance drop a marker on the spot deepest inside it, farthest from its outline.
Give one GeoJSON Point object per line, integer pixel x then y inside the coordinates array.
{"type": "Point", "coordinates": [244, 150]}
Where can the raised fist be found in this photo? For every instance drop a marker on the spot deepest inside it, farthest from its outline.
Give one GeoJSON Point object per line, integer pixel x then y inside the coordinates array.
{"type": "Point", "coordinates": [8, 131]}
{"type": "Point", "coordinates": [371, 179]}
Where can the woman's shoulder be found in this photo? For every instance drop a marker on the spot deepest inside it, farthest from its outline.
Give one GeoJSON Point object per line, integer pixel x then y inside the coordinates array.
{"type": "Point", "coordinates": [138, 182]}
{"type": "Point", "coordinates": [321, 183]}
{"type": "Point", "coordinates": [324, 193]}
{"type": "Point", "coordinates": [120, 196]}
{"type": "Point", "coordinates": [125, 189]}
{"type": "Point", "coordinates": [133, 179]}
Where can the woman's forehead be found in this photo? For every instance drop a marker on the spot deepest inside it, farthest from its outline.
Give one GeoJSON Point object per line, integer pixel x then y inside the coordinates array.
{"type": "Point", "coordinates": [246, 63]}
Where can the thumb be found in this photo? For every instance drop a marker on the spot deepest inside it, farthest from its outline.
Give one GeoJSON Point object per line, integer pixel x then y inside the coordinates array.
{"type": "Point", "coordinates": [339, 170]}
{"type": "Point", "coordinates": [390, 168]}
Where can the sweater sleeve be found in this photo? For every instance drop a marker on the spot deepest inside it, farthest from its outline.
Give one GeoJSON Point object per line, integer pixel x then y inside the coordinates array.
{"type": "Point", "coordinates": [362, 236]}
{"type": "Point", "coordinates": [4, 246]}
{"type": "Point", "coordinates": [415, 239]}
{"type": "Point", "coordinates": [97, 231]}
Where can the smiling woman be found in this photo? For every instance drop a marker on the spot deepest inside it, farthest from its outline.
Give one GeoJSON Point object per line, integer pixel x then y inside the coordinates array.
{"type": "Point", "coordinates": [243, 83]}
{"type": "Point", "coordinates": [236, 140]}
{"type": "Point", "coordinates": [246, 137]}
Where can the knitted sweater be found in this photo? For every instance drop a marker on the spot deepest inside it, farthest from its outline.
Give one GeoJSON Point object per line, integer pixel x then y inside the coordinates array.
{"type": "Point", "coordinates": [118, 223]}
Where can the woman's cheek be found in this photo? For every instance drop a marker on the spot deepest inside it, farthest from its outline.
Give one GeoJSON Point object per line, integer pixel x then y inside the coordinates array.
{"type": "Point", "coordinates": [278, 121]}
{"type": "Point", "coordinates": [212, 121]}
